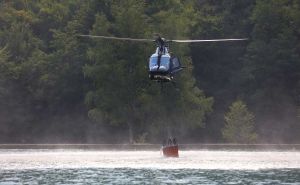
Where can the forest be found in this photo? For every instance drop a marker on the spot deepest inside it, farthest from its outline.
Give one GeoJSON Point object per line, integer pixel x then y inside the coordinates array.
{"type": "Point", "coordinates": [56, 87]}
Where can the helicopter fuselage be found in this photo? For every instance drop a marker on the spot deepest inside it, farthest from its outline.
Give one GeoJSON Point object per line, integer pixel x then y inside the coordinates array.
{"type": "Point", "coordinates": [163, 66]}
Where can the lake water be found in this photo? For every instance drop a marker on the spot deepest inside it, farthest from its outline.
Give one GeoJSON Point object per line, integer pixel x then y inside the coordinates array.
{"type": "Point", "coordinates": [148, 167]}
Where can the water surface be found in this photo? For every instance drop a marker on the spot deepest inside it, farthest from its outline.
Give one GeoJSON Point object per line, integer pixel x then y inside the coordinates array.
{"type": "Point", "coordinates": [148, 167]}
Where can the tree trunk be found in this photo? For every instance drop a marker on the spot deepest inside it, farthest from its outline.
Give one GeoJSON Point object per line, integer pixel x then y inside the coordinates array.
{"type": "Point", "coordinates": [130, 133]}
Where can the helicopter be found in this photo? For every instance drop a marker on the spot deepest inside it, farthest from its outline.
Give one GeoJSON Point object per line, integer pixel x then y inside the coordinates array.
{"type": "Point", "coordinates": [162, 65]}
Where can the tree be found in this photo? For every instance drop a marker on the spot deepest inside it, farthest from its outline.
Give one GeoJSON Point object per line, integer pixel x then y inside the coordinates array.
{"type": "Point", "coordinates": [116, 68]}
{"type": "Point", "coordinates": [271, 69]}
{"type": "Point", "coordinates": [239, 124]}
{"type": "Point", "coordinates": [122, 94]}
{"type": "Point", "coordinates": [41, 79]}
{"type": "Point", "coordinates": [217, 66]}
{"type": "Point", "coordinates": [51, 81]}
{"type": "Point", "coordinates": [183, 111]}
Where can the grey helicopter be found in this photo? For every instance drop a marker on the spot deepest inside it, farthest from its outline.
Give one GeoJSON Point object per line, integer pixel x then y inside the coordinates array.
{"type": "Point", "coordinates": [162, 65]}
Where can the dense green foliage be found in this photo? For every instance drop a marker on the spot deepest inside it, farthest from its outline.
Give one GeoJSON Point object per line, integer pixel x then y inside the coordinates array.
{"type": "Point", "coordinates": [57, 87]}
{"type": "Point", "coordinates": [239, 124]}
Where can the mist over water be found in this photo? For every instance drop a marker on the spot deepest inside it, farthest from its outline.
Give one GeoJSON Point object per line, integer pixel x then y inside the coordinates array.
{"type": "Point", "coordinates": [245, 160]}
{"type": "Point", "coordinates": [148, 167]}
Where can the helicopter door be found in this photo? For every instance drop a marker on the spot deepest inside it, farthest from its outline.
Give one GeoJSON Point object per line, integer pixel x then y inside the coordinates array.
{"type": "Point", "coordinates": [175, 65]}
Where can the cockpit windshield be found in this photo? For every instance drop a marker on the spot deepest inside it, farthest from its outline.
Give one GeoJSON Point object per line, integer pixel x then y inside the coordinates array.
{"type": "Point", "coordinates": [164, 63]}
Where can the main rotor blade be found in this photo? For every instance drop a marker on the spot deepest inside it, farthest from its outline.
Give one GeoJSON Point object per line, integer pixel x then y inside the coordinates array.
{"type": "Point", "coordinates": [116, 38]}
{"type": "Point", "coordinates": [212, 40]}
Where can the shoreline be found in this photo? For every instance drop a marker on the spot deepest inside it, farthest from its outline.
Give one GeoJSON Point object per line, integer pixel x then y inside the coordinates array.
{"type": "Point", "coordinates": [154, 146]}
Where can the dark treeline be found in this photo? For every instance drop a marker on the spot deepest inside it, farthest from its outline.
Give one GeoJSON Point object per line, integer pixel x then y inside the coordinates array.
{"type": "Point", "coordinates": [58, 88]}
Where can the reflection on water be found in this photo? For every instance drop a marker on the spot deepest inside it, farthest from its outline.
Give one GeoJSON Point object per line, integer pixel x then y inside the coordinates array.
{"type": "Point", "coordinates": [135, 167]}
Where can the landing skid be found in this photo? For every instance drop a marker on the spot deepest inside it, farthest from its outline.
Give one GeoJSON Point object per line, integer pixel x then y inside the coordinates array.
{"type": "Point", "coordinates": [161, 78]}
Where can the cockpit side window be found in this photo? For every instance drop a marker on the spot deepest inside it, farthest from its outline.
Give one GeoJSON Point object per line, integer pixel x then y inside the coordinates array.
{"type": "Point", "coordinates": [175, 62]}
{"type": "Point", "coordinates": [153, 62]}
{"type": "Point", "coordinates": [165, 62]}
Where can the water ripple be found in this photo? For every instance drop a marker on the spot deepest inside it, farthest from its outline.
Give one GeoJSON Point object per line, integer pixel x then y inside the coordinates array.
{"type": "Point", "coordinates": [149, 176]}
